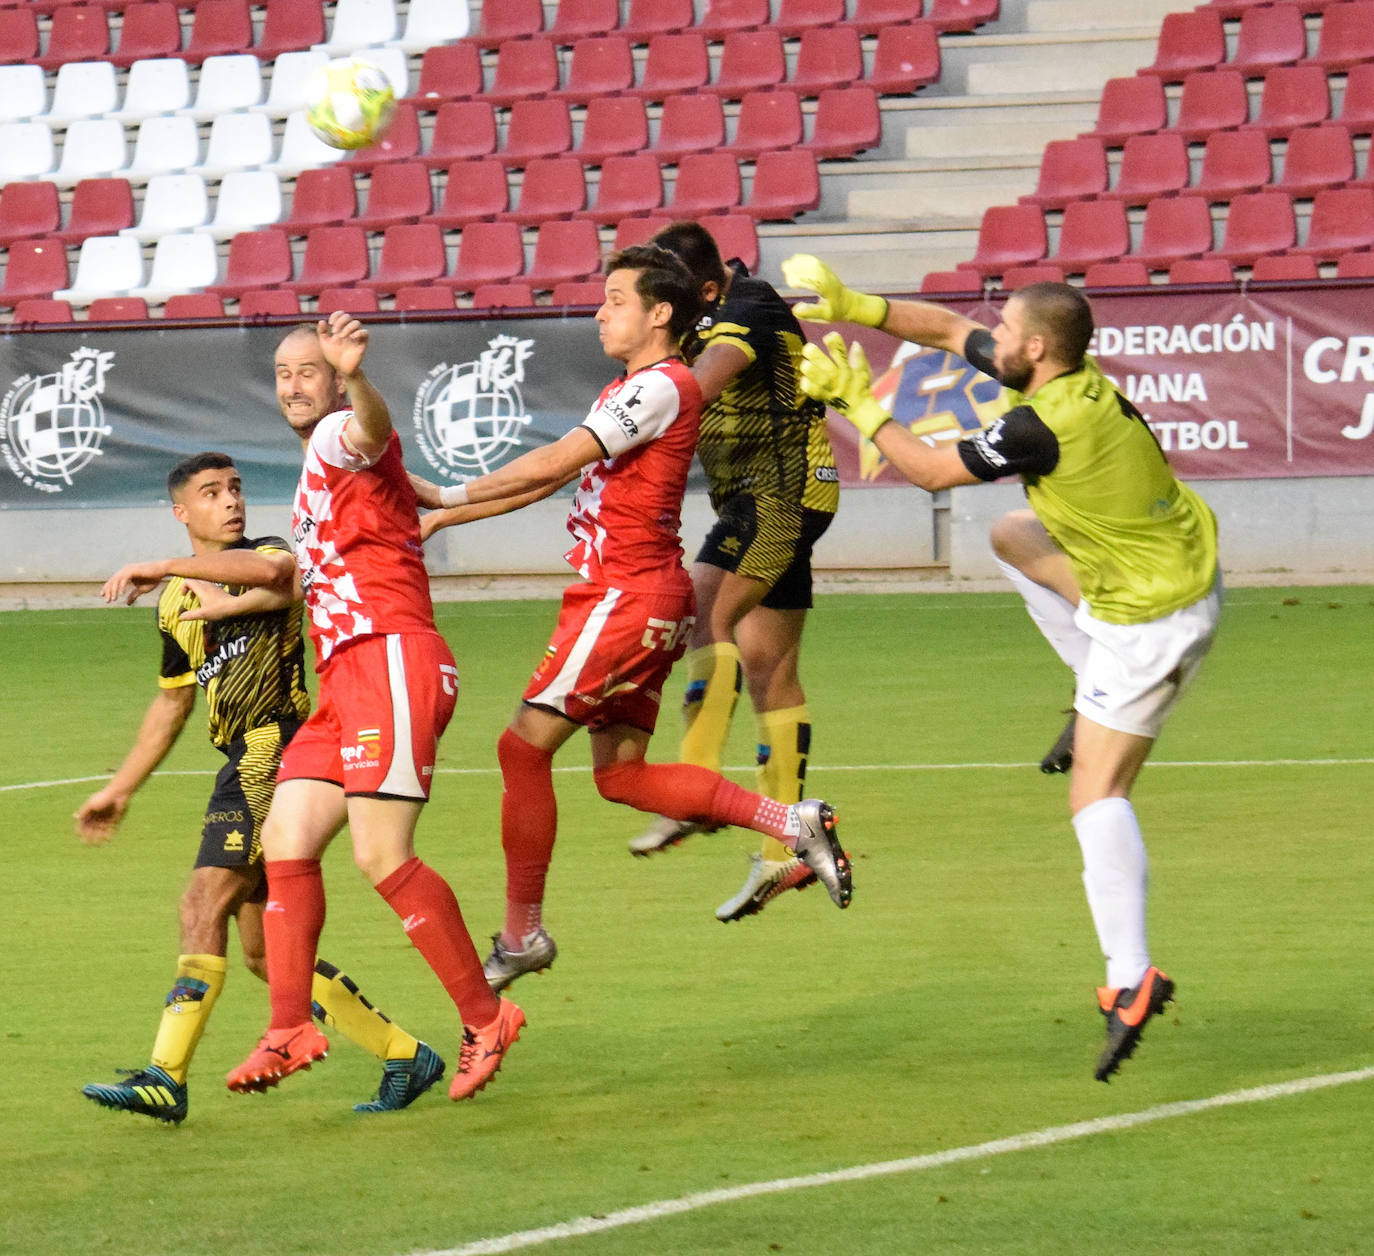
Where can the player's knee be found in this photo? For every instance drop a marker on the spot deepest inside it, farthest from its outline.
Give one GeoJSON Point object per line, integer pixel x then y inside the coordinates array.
{"type": "Point", "coordinates": [618, 782]}
{"type": "Point", "coordinates": [256, 962]}
{"type": "Point", "coordinates": [1015, 536]}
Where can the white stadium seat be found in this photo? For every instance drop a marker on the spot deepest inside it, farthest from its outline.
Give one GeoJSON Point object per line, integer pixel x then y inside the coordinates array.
{"type": "Point", "coordinates": [107, 266]}
{"type": "Point", "coordinates": [360, 24]}
{"type": "Point", "coordinates": [290, 72]}
{"type": "Point", "coordinates": [227, 83]}
{"type": "Point", "coordinates": [165, 145]}
{"type": "Point", "coordinates": [185, 262]}
{"type": "Point", "coordinates": [94, 148]}
{"type": "Point", "coordinates": [171, 203]}
{"type": "Point", "coordinates": [238, 141]}
{"type": "Point", "coordinates": [26, 151]}
{"type": "Point", "coordinates": [156, 85]}
{"type": "Point", "coordinates": [301, 149]}
{"type": "Point", "coordinates": [84, 89]}
{"type": "Point", "coordinates": [23, 92]}
{"type": "Point", "coordinates": [430, 22]}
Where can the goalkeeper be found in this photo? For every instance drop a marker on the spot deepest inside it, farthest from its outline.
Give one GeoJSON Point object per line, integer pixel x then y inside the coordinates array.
{"type": "Point", "coordinates": [1117, 563]}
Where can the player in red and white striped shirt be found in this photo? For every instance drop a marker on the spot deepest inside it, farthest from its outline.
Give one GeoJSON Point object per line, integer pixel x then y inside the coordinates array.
{"type": "Point", "coordinates": [624, 625]}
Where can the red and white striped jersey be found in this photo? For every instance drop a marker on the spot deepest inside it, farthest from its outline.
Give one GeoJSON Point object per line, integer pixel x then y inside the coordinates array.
{"type": "Point", "coordinates": [627, 515]}
{"type": "Point", "coordinates": [355, 531]}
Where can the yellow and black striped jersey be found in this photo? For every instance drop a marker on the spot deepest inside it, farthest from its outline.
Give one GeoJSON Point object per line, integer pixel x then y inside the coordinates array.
{"type": "Point", "coordinates": [252, 668]}
{"type": "Point", "coordinates": [762, 435]}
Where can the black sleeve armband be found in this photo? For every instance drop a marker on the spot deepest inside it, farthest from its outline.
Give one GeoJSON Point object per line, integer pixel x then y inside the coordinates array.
{"type": "Point", "coordinates": [978, 350]}
{"type": "Point", "coordinates": [1019, 443]}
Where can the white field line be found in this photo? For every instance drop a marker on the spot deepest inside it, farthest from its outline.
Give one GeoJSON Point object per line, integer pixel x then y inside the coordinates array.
{"type": "Point", "coordinates": [911, 1164]}
{"type": "Point", "coordinates": [818, 767]}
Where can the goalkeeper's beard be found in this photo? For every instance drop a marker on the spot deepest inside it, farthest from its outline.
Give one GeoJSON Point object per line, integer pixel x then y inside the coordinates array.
{"type": "Point", "coordinates": [1016, 372]}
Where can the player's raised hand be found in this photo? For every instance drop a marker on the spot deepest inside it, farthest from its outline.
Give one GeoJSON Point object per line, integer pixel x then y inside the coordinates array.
{"type": "Point", "coordinates": [343, 339]}
{"type": "Point", "coordinates": [842, 379]}
{"type": "Point", "coordinates": [99, 816]}
{"type": "Point", "coordinates": [131, 582]}
{"type": "Point", "coordinates": [837, 303]}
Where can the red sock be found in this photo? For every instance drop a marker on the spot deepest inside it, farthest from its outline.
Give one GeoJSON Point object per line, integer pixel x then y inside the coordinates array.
{"type": "Point", "coordinates": [291, 925]}
{"type": "Point", "coordinates": [529, 817]}
{"type": "Point", "coordinates": [432, 920]}
{"type": "Point", "coordinates": [682, 791]}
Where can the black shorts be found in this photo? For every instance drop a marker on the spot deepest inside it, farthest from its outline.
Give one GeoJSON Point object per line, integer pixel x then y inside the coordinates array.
{"type": "Point", "coordinates": [232, 834]}
{"type": "Point", "coordinates": [767, 540]}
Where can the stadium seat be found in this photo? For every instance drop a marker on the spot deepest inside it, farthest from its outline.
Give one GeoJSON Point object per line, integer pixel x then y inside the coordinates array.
{"type": "Point", "coordinates": [423, 297]}
{"type": "Point", "coordinates": [1234, 162]}
{"type": "Point", "coordinates": [1151, 165]}
{"type": "Point", "coordinates": [156, 85]}
{"type": "Point", "coordinates": [1346, 39]}
{"type": "Point", "coordinates": [647, 18]}
{"type": "Point", "coordinates": [828, 56]}
{"type": "Point", "coordinates": [334, 258]}
{"type": "Point", "coordinates": [268, 303]}
{"type": "Point", "coordinates": [291, 71]}
{"type": "Point", "coordinates": [19, 36]}
{"type": "Point", "coordinates": [1188, 41]}
{"type": "Point", "coordinates": [325, 197]}
{"type": "Point", "coordinates": [1175, 227]}
{"type": "Point", "coordinates": [707, 183]}
{"type": "Point", "coordinates": [412, 253]}
{"type": "Point", "coordinates": [599, 66]}
{"type": "Point", "coordinates": [193, 306]}
{"type": "Point", "coordinates": [1357, 104]}
{"type": "Point", "coordinates": [1212, 100]}
{"type": "Point", "coordinates": [524, 67]}
{"type": "Point", "coordinates": [290, 26]}
{"type": "Point", "coordinates": [553, 187]}
{"type": "Point", "coordinates": [1070, 170]}
{"type": "Point", "coordinates": [26, 151]}
{"type": "Point", "coordinates": [905, 58]}
{"type": "Point", "coordinates": [33, 269]}
{"type": "Point", "coordinates": [749, 60]}
{"type": "Point", "coordinates": [400, 192]}
{"type": "Point", "coordinates": [691, 122]}
{"type": "Point", "coordinates": [23, 92]}
{"type": "Point", "coordinates": [488, 252]}
{"type": "Point", "coordinates": [583, 19]}
{"type": "Point", "coordinates": [463, 129]}
{"type": "Point", "coordinates": [638, 230]}
{"type": "Point", "coordinates": [41, 310]}
{"type": "Point", "coordinates": [735, 236]}
{"type": "Point", "coordinates": [1130, 106]}
{"type": "Point", "coordinates": [564, 251]}
{"type": "Point", "coordinates": [400, 142]}
{"type": "Point", "coordinates": [431, 22]}
{"type": "Point", "coordinates": [1091, 231]}
{"type": "Point", "coordinates": [786, 183]}
{"type": "Point", "coordinates": [1009, 235]}
{"type": "Point", "coordinates": [676, 64]}
{"type": "Point", "coordinates": [84, 89]}
{"type": "Point", "coordinates": [768, 120]}
{"type": "Point", "coordinates": [722, 18]}
{"type": "Point", "coordinates": [219, 28]}
{"type": "Point", "coordinates": [106, 266]}
{"type": "Point", "coordinates": [171, 203]}
{"type": "Point", "coordinates": [961, 15]}
{"type": "Point", "coordinates": [1317, 157]}
{"type": "Point", "coordinates": [257, 259]}
{"type": "Point", "coordinates": [99, 207]}
{"type": "Point", "coordinates": [448, 72]}
{"type": "Point", "coordinates": [1269, 36]}
{"type": "Point", "coordinates": [631, 183]}
{"type": "Point", "coordinates": [1023, 276]}
{"type": "Point", "coordinates": [795, 17]}
{"type": "Point", "coordinates": [950, 282]}
{"type": "Point", "coordinates": [117, 310]}
{"type": "Point", "coordinates": [1256, 224]}
{"type": "Point", "coordinates": [165, 144]}
{"type": "Point", "coordinates": [247, 200]}
{"type": "Point", "coordinates": [148, 30]}
{"type": "Point", "coordinates": [1342, 222]}
{"type": "Point", "coordinates": [1201, 270]}
{"type": "Point", "coordinates": [846, 122]}
{"type": "Point", "coordinates": [301, 149]}
{"type": "Point", "coordinates": [349, 300]}
{"type": "Point", "coordinates": [91, 148]}
{"type": "Point", "coordinates": [227, 83]}
{"type": "Point", "coordinates": [28, 210]}
{"type": "Point", "coordinates": [182, 262]}
{"type": "Point", "coordinates": [1355, 266]}
{"type": "Point", "coordinates": [536, 128]}
{"type": "Point", "coordinates": [578, 292]}
{"type": "Point", "coordinates": [1293, 96]}
{"type": "Point", "coordinates": [364, 24]}
{"type": "Point", "coordinates": [507, 20]}
{"type": "Point", "coordinates": [613, 126]}
{"type": "Point", "coordinates": [238, 141]}
{"type": "Point", "coordinates": [474, 189]}
{"type": "Point", "coordinates": [1284, 268]}
{"type": "Point", "coordinates": [1128, 273]}
{"type": "Point", "coordinates": [516, 295]}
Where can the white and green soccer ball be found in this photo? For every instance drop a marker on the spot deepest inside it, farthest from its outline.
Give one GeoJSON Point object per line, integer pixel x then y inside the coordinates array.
{"type": "Point", "coordinates": [349, 102]}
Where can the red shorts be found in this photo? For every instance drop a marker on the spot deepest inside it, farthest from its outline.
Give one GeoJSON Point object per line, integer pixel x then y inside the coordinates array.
{"type": "Point", "coordinates": [384, 701]}
{"type": "Point", "coordinates": [610, 654]}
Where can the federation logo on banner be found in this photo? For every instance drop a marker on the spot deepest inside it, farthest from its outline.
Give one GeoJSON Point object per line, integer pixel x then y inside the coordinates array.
{"type": "Point", "coordinates": [52, 425]}
{"type": "Point", "coordinates": [469, 417]}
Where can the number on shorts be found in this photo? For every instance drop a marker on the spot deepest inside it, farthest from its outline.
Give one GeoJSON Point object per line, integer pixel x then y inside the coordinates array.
{"type": "Point", "coordinates": [664, 634]}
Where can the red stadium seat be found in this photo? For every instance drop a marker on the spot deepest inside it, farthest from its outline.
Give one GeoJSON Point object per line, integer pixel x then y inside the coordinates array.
{"type": "Point", "coordinates": [463, 129]}
{"type": "Point", "coordinates": [1201, 270]}
{"type": "Point", "coordinates": [323, 198]}
{"type": "Point", "coordinates": [147, 31]}
{"type": "Point", "coordinates": [1342, 222]}
{"type": "Point", "coordinates": [502, 296]}
{"type": "Point", "coordinates": [1070, 170]}
{"type": "Point", "coordinates": [536, 128]}
{"type": "Point", "coordinates": [507, 20]}
{"type": "Point", "coordinates": [1355, 266]}
{"type": "Point", "coordinates": [268, 302]}
{"type": "Point", "coordinates": [846, 122]}
{"type": "Point", "coordinates": [335, 257]}
{"type": "Point", "coordinates": [676, 63]}
{"type": "Point", "coordinates": [524, 67]}
{"type": "Point", "coordinates": [1187, 42]}
{"type": "Point", "coordinates": [117, 310]}
{"type": "Point", "coordinates": [34, 269]}
{"type": "Point", "coordinates": [488, 252]}
{"type": "Point", "coordinates": [1151, 165]}
{"type": "Point", "coordinates": [412, 253]}
{"type": "Point", "coordinates": [193, 305]}
{"type": "Point", "coordinates": [631, 183]}
{"type": "Point", "coordinates": [553, 187]}
{"type": "Point", "coordinates": [590, 292]}
{"type": "Point", "coordinates": [724, 17]}
{"type": "Point", "coordinates": [423, 297]}
{"type": "Point", "coordinates": [1293, 96]}
{"type": "Point", "coordinates": [1009, 235]}
{"type": "Point", "coordinates": [79, 33]}
{"type": "Point", "coordinates": [1317, 157]}
{"type": "Point", "coordinates": [290, 26]}
{"type": "Point", "coordinates": [28, 210]}
{"type": "Point", "coordinates": [1128, 273]}
{"type": "Point", "coordinates": [786, 183]}
{"type": "Point", "coordinates": [564, 251]}
{"type": "Point", "coordinates": [796, 17]}
{"type": "Point", "coordinates": [707, 183]}
{"type": "Point", "coordinates": [399, 142]}
{"type": "Point", "coordinates": [961, 15]}
{"type": "Point", "coordinates": [868, 17]}
{"type": "Point", "coordinates": [614, 126]}
{"type": "Point", "coordinates": [735, 236]}
{"type": "Point", "coordinates": [749, 60]}
{"type": "Point", "coordinates": [1212, 100]}
{"type": "Point", "coordinates": [1269, 36]}
{"type": "Point", "coordinates": [99, 207]}
{"type": "Point", "coordinates": [1347, 36]}
{"type": "Point", "coordinates": [1130, 106]}
{"type": "Point", "coordinates": [768, 120]}
{"type": "Point", "coordinates": [647, 18]}
{"type": "Point", "coordinates": [43, 310]}
{"type": "Point", "coordinates": [18, 36]}
{"type": "Point", "coordinates": [637, 230]}
{"type": "Point", "coordinates": [349, 300]}
{"type": "Point", "coordinates": [690, 123]}
{"type": "Point", "coordinates": [583, 19]}
{"type": "Point", "coordinates": [1357, 105]}
{"type": "Point", "coordinates": [474, 189]}
{"type": "Point", "coordinates": [1023, 276]}
{"type": "Point", "coordinates": [1256, 224]}
{"type": "Point", "coordinates": [827, 57]}
{"type": "Point", "coordinates": [600, 66]}
{"type": "Point", "coordinates": [951, 283]}
{"type": "Point", "coordinates": [1284, 268]}
{"type": "Point", "coordinates": [219, 28]}
{"type": "Point", "coordinates": [1175, 227]}
{"type": "Point", "coordinates": [448, 72]}
{"type": "Point", "coordinates": [906, 57]}
{"type": "Point", "coordinates": [1234, 162]}
{"type": "Point", "coordinates": [1091, 231]}
{"type": "Point", "coordinates": [400, 192]}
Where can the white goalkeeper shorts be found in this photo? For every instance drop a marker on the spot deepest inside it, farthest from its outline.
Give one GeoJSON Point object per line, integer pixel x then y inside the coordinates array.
{"type": "Point", "coordinates": [1134, 673]}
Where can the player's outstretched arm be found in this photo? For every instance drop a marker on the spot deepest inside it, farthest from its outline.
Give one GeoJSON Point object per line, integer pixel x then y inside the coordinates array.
{"type": "Point", "coordinates": [841, 378]}
{"type": "Point", "coordinates": [99, 816]}
{"type": "Point", "coordinates": [218, 603]}
{"type": "Point", "coordinates": [343, 340]}
{"type": "Point", "coordinates": [272, 569]}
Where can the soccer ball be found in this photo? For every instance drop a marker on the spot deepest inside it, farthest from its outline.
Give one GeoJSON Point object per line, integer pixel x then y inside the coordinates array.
{"type": "Point", "coordinates": [349, 102]}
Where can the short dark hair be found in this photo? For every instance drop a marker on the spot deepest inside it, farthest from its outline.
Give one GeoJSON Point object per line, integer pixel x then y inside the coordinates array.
{"type": "Point", "coordinates": [697, 249]}
{"type": "Point", "coordinates": [193, 466]}
{"type": "Point", "coordinates": [661, 276]}
{"type": "Point", "coordinates": [1061, 315]}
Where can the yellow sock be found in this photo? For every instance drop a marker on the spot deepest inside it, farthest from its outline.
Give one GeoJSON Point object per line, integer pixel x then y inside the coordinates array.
{"type": "Point", "coordinates": [199, 979]}
{"type": "Point", "coordinates": [787, 734]}
{"type": "Point", "coordinates": [338, 1004]}
{"type": "Point", "coordinates": [713, 681]}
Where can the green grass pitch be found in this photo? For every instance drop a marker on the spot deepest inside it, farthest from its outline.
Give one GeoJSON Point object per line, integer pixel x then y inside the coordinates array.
{"type": "Point", "coordinates": [668, 1055]}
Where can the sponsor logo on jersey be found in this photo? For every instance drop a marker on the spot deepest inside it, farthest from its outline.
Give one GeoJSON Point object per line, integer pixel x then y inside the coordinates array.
{"type": "Point", "coordinates": [51, 426]}
{"type": "Point", "coordinates": [212, 666]}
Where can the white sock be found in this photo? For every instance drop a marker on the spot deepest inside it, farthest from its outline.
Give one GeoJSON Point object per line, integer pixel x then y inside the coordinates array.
{"type": "Point", "coordinates": [1052, 614]}
{"type": "Point", "coordinates": [1115, 872]}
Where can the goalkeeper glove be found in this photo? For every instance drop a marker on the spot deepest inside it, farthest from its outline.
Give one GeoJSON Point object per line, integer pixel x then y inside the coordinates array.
{"type": "Point", "coordinates": [837, 303]}
{"type": "Point", "coordinates": [843, 381]}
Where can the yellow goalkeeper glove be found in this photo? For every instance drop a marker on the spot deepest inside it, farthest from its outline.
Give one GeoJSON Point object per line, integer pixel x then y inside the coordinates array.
{"type": "Point", "coordinates": [837, 303]}
{"type": "Point", "coordinates": [843, 381]}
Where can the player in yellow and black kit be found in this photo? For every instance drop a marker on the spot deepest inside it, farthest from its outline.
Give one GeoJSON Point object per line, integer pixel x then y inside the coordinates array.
{"type": "Point", "coordinates": [1118, 564]}
{"type": "Point", "coordinates": [246, 651]}
{"type": "Point", "coordinates": [774, 489]}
